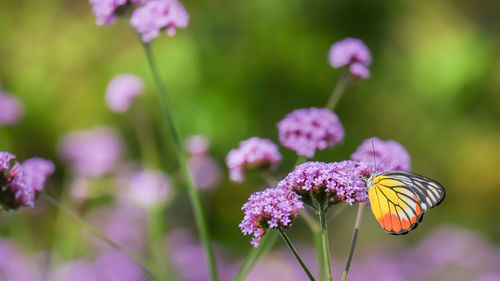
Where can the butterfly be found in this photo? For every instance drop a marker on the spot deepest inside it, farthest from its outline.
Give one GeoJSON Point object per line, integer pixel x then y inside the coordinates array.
{"type": "Point", "coordinates": [400, 199]}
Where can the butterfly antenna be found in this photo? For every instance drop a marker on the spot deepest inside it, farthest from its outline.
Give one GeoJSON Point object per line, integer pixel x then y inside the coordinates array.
{"type": "Point", "coordinates": [374, 160]}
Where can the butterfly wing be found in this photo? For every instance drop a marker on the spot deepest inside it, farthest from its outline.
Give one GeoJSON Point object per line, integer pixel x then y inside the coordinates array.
{"type": "Point", "coordinates": [399, 199]}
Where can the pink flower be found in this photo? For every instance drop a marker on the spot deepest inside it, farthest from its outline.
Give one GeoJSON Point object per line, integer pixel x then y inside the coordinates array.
{"type": "Point", "coordinates": [122, 90]}
{"type": "Point", "coordinates": [353, 53]}
{"type": "Point", "coordinates": [157, 15]}
{"type": "Point", "coordinates": [310, 129]}
{"type": "Point", "coordinates": [251, 153]}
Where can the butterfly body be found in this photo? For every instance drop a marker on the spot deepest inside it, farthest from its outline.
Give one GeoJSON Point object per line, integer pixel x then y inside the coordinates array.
{"type": "Point", "coordinates": [400, 199]}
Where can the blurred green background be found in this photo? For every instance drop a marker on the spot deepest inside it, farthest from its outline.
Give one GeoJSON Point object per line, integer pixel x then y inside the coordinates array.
{"type": "Point", "coordinates": [241, 66]}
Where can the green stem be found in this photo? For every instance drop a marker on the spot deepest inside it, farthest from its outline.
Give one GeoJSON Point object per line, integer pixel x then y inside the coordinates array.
{"type": "Point", "coordinates": [319, 254]}
{"type": "Point", "coordinates": [156, 243]}
{"type": "Point", "coordinates": [324, 243]}
{"type": "Point", "coordinates": [141, 261]}
{"type": "Point", "coordinates": [353, 241]}
{"type": "Point", "coordinates": [194, 196]}
{"type": "Point", "coordinates": [265, 245]}
{"type": "Point", "coordinates": [338, 91]}
{"type": "Point", "coordinates": [296, 254]}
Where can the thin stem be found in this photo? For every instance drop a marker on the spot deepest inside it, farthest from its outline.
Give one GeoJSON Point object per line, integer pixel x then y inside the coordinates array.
{"type": "Point", "coordinates": [265, 245]}
{"type": "Point", "coordinates": [194, 196]}
{"type": "Point", "coordinates": [319, 254]}
{"type": "Point", "coordinates": [353, 241]}
{"type": "Point", "coordinates": [324, 243]}
{"type": "Point", "coordinates": [296, 254]}
{"type": "Point", "coordinates": [338, 91]}
{"type": "Point", "coordinates": [141, 261]}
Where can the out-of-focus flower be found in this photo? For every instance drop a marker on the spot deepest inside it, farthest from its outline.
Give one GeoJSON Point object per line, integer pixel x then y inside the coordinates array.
{"type": "Point", "coordinates": [271, 208]}
{"type": "Point", "coordinates": [348, 51]}
{"type": "Point", "coordinates": [196, 145]}
{"type": "Point", "coordinates": [77, 270]}
{"type": "Point", "coordinates": [309, 129]}
{"type": "Point", "coordinates": [359, 71]}
{"type": "Point", "coordinates": [79, 189]}
{"type": "Point", "coordinates": [253, 152]}
{"type": "Point", "coordinates": [122, 90]}
{"type": "Point", "coordinates": [205, 171]}
{"type": "Point", "coordinates": [352, 52]}
{"type": "Point", "coordinates": [20, 184]}
{"type": "Point", "coordinates": [14, 266]}
{"type": "Point", "coordinates": [149, 188]}
{"type": "Point", "coordinates": [11, 109]}
{"type": "Point", "coordinates": [385, 155]}
{"type": "Point", "coordinates": [117, 266]}
{"type": "Point", "coordinates": [106, 11]}
{"type": "Point", "coordinates": [156, 15]}
{"type": "Point", "coordinates": [337, 182]}
{"type": "Point", "coordinates": [91, 153]}
{"type": "Point", "coordinates": [446, 254]}
{"type": "Point", "coordinates": [109, 266]}
{"type": "Point", "coordinates": [183, 251]}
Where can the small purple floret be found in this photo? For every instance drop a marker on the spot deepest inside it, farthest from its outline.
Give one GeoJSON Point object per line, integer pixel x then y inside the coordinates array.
{"type": "Point", "coordinates": [37, 171]}
{"type": "Point", "coordinates": [310, 129]}
{"type": "Point", "coordinates": [251, 153]}
{"type": "Point", "coordinates": [5, 159]}
{"type": "Point", "coordinates": [157, 15]}
{"type": "Point", "coordinates": [385, 155]}
{"type": "Point", "coordinates": [271, 208]}
{"type": "Point", "coordinates": [337, 182]}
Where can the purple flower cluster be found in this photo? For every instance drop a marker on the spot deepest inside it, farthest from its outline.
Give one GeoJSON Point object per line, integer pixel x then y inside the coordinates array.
{"type": "Point", "coordinates": [353, 53]}
{"type": "Point", "coordinates": [336, 182]}
{"type": "Point", "coordinates": [156, 15]}
{"type": "Point", "coordinates": [19, 185]}
{"type": "Point", "coordinates": [11, 110]}
{"type": "Point", "coordinates": [271, 208]}
{"type": "Point", "coordinates": [106, 10]}
{"type": "Point", "coordinates": [122, 90]}
{"type": "Point", "coordinates": [309, 129]}
{"type": "Point", "coordinates": [93, 152]}
{"type": "Point", "coordinates": [385, 155]}
{"type": "Point", "coordinates": [252, 152]}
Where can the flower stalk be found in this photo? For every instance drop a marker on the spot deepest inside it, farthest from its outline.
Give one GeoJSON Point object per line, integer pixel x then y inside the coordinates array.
{"type": "Point", "coordinates": [194, 196]}
{"type": "Point", "coordinates": [324, 242]}
{"type": "Point", "coordinates": [295, 253]}
{"type": "Point", "coordinates": [339, 89]}
{"type": "Point", "coordinates": [353, 241]}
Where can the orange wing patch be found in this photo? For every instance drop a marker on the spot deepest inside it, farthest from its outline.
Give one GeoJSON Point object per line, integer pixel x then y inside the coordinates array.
{"type": "Point", "coordinates": [396, 209]}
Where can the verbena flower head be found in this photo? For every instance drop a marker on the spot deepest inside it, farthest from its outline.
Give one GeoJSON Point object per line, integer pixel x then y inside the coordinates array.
{"type": "Point", "coordinates": [385, 155]}
{"type": "Point", "coordinates": [149, 188]}
{"type": "Point", "coordinates": [122, 90]}
{"type": "Point", "coordinates": [19, 183]}
{"type": "Point", "coordinates": [347, 51]}
{"type": "Point", "coordinates": [106, 11]}
{"type": "Point", "coordinates": [11, 110]}
{"type": "Point", "coordinates": [271, 208]}
{"type": "Point", "coordinates": [91, 153]}
{"type": "Point", "coordinates": [310, 129]}
{"type": "Point", "coordinates": [335, 182]}
{"type": "Point", "coordinates": [253, 152]}
{"type": "Point", "coordinates": [353, 53]}
{"type": "Point", "coordinates": [157, 15]}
